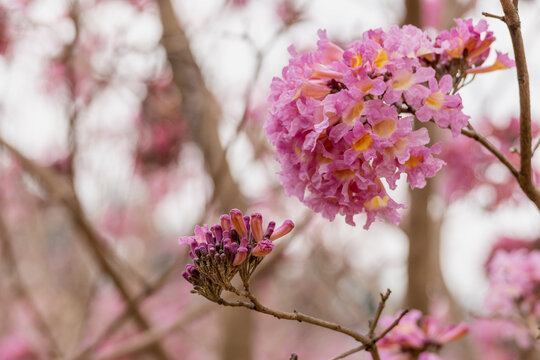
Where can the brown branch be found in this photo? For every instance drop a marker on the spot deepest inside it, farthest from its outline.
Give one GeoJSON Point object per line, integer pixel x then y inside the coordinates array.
{"type": "Point", "coordinates": [349, 352]}
{"type": "Point", "coordinates": [511, 18]}
{"type": "Point", "coordinates": [296, 316]}
{"type": "Point", "coordinates": [22, 291]}
{"type": "Point", "coordinates": [61, 190]}
{"type": "Point", "coordinates": [383, 334]}
{"type": "Point", "coordinates": [117, 323]}
{"type": "Point", "coordinates": [199, 107]}
{"type": "Point", "coordinates": [469, 131]}
{"type": "Point", "coordinates": [486, 14]}
{"type": "Point", "coordinates": [369, 341]}
{"type": "Point", "coordinates": [154, 336]}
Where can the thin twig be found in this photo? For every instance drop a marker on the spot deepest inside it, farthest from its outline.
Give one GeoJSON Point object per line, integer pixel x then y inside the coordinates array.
{"type": "Point", "coordinates": [375, 321]}
{"type": "Point", "coordinates": [536, 146]}
{"type": "Point", "coordinates": [295, 315]}
{"type": "Point", "coordinates": [23, 292]}
{"type": "Point", "coordinates": [154, 336]}
{"type": "Point", "coordinates": [349, 352]}
{"type": "Point", "coordinates": [125, 315]}
{"type": "Point", "coordinates": [473, 134]}
{"type": "Point", "coordinates": [60, 190]}
{"type": "Point", "coordinates": [392, 325]}
{"type": "Point", "coordinates": [486, 14]}
{"type": "Point", "coordinates": [511, 16]}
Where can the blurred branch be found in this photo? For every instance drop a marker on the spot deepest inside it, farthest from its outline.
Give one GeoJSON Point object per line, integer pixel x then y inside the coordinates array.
{"type": "Point", "coordinates": [154, 336]}
{"type": "Point", "coordinates": [199, 108]}
{"type": "Point", "coordinates": [10, 260]}
{"type": "Point", "coordinates": [511, 18]}
{"type": "Point", "coordinates": [469, 131]}
{"type": "Point", "coordinates": [116, 324]}
{"type": "Point", "coordinates": [62, 191]}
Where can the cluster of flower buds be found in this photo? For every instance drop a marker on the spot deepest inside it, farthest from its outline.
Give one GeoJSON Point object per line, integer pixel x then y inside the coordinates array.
{"type": "Point", "coordinates": [417, 337]}
{"type": "Point", "coordinates": [236, 245]}
{"type": "Point", "coordinates": [342, 120]}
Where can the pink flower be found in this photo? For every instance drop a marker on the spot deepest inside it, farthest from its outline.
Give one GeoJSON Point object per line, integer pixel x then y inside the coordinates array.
{"type": "Point", "coordinates": [502, 62]}
{"type": "Point", "coordinates": [444, 109]}
{"type": "Point", "coordinates": [342, 127]}
{"type": "Point", "coordinates": [417, 334]}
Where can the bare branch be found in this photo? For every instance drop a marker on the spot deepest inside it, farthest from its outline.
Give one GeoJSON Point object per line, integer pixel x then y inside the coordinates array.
{"type": "Point", "coordinates": [61, 190]}
{"type": "Point", "coordinates": [486, 14]}
{"type": "Point", "coordinates": [22, 291]}
{"type": "Point", "coordinates": [473, 134]}
{"type": "Point", "coordinates": [511, 16]}
{"type": "Point", "coordinates": [154, 336]}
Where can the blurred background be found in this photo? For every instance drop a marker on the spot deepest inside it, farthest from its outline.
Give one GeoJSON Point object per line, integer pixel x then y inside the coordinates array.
{"type": "Point", "coordinates": [124, 123]}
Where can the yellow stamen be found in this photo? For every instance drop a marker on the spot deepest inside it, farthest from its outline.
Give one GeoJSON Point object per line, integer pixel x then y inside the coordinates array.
{"type": "Point", "coordinates": [381, 59]}
{"type": "Point", "coordinates": [376, 203]}
{"type": "Point", "coordinates": [356, 61]}
{"type": "Point", "coordinates": [321, 159]}
{"type": "Point", "coordinates": [398, 147]}
{"type": "Point", "coordinates": [413, 161]}
{"type": "Point", "coordinates": [354, 113]}
{"type": "Point", "coordinates": [363, 143]}
{"type": "Point", "coordinates": [365, 85]}
{"type": "Point", "coordinates": [385, 128]}
{"type": "Point", "coordinates": [345, 174]}
{"type": "Point", "coordinates": [403, 80]}
{"type": "Point", "coordinates": [435, 101]}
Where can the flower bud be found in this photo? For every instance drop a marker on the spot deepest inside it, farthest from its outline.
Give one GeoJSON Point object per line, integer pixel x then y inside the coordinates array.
{"type": "Point", "coordinates": [225, 221]}
{"type": "Point", "coordinates": [240, 256]}
{"type": "Point", "coordinates": [256, 226]}
{"type": "Point", "coordinates": [283, 230]}
{"type": "Point", "coordinates": [237, 221]}
{"type": "Point", "coordinates": [263, 248]}
{"type": "Point", "coordinates": [269, 229]}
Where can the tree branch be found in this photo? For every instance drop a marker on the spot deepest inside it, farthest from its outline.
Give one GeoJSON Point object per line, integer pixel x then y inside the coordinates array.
{"type": "Point", "coordinates": [511, 18]}
{"type": "Point", "coordinates": [61, 190]}
{"type": "Point", "coordinates": [22, 291]}
{"type": "Point", "coordinates": [469, 131]}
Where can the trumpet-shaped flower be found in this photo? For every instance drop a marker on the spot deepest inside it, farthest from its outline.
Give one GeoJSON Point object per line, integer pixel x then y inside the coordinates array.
{"type": "Point", "coordinates": [341, 119]}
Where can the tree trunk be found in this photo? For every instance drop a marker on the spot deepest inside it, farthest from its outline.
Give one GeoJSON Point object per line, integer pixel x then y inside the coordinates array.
{"type": "Point", "coordinates": [202, 111]}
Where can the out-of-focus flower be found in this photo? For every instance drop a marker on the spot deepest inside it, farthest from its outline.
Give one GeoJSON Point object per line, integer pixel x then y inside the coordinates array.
{"type": "Point", "coordinates": [288, 12]}
{"type": "Point", "coordinates": [237, 244]}
{"type": "Point", "coordinates": [501, 339]}
{"type": "Point", "coordinates": [417, 335]}
{"type": "Point", "coordinates": [15, 347]}
{"type": "Point", "coordinates": [514, 283]}
{"type": "Point", "coordinates": [161, 128]}
{"type": "Point", "coordinates": [432, 11]}
{"type": "Point", "coordinates": [5, 33]}
{"type": "Point", "coordinates": [341, 119]}
{"type": "Point", "coordinates": [468, 163]}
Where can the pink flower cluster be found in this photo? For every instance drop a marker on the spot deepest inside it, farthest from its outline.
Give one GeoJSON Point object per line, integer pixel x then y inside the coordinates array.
{"type": "Point", "coordinates": [218, 251]}
{"type": "Point", "coordinates": [502, 339]}
{"type": "Point", "coordinates": [417, 337]}
{"type": "Point", "coordinates": [342, 120]}
{"type": "Point", "coordinates": [514, 279]}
